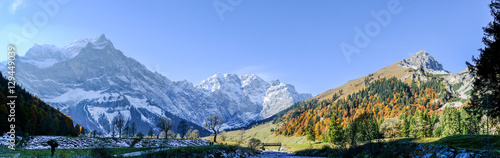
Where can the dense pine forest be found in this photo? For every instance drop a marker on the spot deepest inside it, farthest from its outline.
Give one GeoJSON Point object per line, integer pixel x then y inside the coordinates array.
{"type": "Point", "coordinates": [32, 115]}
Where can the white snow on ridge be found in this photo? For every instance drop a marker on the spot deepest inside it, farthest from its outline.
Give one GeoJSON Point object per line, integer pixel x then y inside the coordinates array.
{"type": "Point", "coordinates": [95, 112]}
{"type": "Point", "coordinates": [86, 95]}
{"type": "Point", "coordinates": [109, 97]}
{"type": "Point", "coordinates": [142, 103]}
{"type": "Point", "coordinates": [77, 95]}
{"type": "Point", "coordinates": [41, 64]}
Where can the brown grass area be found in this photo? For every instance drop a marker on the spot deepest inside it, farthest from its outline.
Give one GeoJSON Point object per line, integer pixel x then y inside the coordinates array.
{"type": "Point", "coordinates": [355, 85]}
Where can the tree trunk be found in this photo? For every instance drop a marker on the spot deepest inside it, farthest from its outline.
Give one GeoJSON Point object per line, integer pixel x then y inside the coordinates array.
{"type": "Point", "coordinates": [215, 137]}
{"type": "Point", "coordinates": [52, 150]}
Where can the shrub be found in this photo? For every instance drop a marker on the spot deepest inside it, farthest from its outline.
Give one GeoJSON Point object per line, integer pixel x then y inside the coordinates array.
{"type": "Point", "coordinates": [101, 151]}
{"type": "Point", "coordinates": [140, 135]}
{"type": "Point", "coordinates": [253, 143]}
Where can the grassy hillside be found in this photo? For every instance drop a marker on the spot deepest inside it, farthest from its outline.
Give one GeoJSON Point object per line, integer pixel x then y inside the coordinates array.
{"type": "Point", "coordinates": [263, 133]}
{"type": "Point", "coordinates": [355, 85]}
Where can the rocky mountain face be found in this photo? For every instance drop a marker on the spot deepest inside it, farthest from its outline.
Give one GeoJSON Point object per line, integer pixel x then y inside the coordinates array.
{"type": "Point", "coordinates": [424, 60]}
{"type": "Point", "coordinates": [459, 84]}
{"type": "Point", "coordinates": [92, 81]}
{"type": "Point", "coordinates": [279, 97]}
{"type": "Point", "coordinates": [267, 98]}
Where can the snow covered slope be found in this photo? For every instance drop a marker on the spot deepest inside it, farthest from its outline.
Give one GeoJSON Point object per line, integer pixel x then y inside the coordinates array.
{"type": "Point", "coordinates": [92, 81]}
{"type": "Point", "coordinates": [266, 99]}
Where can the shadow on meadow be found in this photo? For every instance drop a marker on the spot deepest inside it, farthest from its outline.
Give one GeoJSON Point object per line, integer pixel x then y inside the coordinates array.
{"type": "Point", "coordinates": [451, 146]}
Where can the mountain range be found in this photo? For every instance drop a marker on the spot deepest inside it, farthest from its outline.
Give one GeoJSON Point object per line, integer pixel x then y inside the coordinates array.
{"type": "Point", "coordinates": [92, 81]}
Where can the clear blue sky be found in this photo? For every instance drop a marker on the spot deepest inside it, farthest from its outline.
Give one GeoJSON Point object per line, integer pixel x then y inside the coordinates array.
{"type": "Point", "coordinates": [296, 41]}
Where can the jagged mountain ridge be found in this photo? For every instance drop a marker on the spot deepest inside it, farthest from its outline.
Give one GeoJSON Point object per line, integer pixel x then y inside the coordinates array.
{"type": "Point", "coordinates": [424, 60]}
{"type": "Point", "coordinates": [269, 98]}
{"type": "Point", "coordinates": [92, 81]}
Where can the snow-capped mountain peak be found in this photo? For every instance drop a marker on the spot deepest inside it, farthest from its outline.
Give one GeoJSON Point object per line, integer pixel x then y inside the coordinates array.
{"type": "Point", "coordinates": [271, 96]}
{"type": "Point", "coordinates": [424, 60]}
{"type": "Point", "coordinates": [46, 55]}
{"type": "Point", "coordinates": [93, 82]}
{"type": "Point", "coordinates": [42, 52]}
{"type": "Point", "coordinates": [275, 82]}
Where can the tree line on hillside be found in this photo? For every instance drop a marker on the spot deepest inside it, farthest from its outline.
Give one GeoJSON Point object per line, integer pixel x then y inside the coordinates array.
{"type": "Point", "coordinates": [121, 128]}
{"type": "Point", "coordinates": [32, 115]}
{"type": "Point", "coordinates": [387, 108]}
{"type": "Point", "coordinates": [383, 98]}
{"type": "Point", "coordinates": [451, 121]}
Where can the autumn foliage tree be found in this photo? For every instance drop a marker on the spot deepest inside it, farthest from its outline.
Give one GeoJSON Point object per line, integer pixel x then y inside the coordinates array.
{"type": "Point", "coordinates": [382, 98]}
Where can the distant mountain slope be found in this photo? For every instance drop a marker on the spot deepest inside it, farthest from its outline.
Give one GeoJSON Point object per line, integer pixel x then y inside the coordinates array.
{"type": "Point", "coordinates": [406, 70]}
{"type": "Point", "coordinates": [416, 83]}
{"type": "Point", "coordinates": [92, 81]}
{"type": "Point", "coordinates": [32, 115]}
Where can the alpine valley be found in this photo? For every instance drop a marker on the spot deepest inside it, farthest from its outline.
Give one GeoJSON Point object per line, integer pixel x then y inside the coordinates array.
{"type": "Point", "coordinates": [412, 88]}
{"type": "Point", "coordinates": [92, 81]}
{"type": "Point", "coordinates": [417, 83]}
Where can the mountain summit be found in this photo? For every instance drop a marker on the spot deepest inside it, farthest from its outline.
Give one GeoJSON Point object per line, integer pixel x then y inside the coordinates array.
{"type": "Point", "coordinates": [424, 60]}
{"type": "Point", "coordinates": [403, 70]}
{"type": "Point", "coordinates": [43, 56]}
{"type": "Point", "coordinates": [243, 90]}
{"type": "Point", "coordinates": [92, 81]}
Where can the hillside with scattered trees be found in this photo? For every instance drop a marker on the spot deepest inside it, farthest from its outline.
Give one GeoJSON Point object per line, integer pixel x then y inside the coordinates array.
{"type": "Point", "coordinates": [383, 98]}
{"type": "Point", "coordinates": [32, 115]}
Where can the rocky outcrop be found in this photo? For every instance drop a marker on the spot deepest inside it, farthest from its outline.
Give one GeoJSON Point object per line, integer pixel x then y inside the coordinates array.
{"type": "Point", "coordinates": [445, 152]}
{"type": "Point", "coordinates": [424, 60]}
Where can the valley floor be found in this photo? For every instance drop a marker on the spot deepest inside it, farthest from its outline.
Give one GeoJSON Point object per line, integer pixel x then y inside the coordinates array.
{"type": "Point", "coordinates": [80, 146]}
{"type": "Point", "coordinates": [452, 146]}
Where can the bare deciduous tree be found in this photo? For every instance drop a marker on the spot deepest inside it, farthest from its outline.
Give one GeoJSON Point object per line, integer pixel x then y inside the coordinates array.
{"type": "Point", "coordinates": [164, 125]}
{"type": "Point", "coordinates": [133, 129]}
{"type": "Point", "coordinates": [214, 123]}
{"type": "Point", "coordinates": [241, 133]}
{"type": "Point", "coordinates": [195, 134]}
{"type": "Point", "coordinates": [182, 128]}
{"type": "Point", "coordinates": [119, 122]}
{"type": "Point", "coordinates": [223, 136]}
